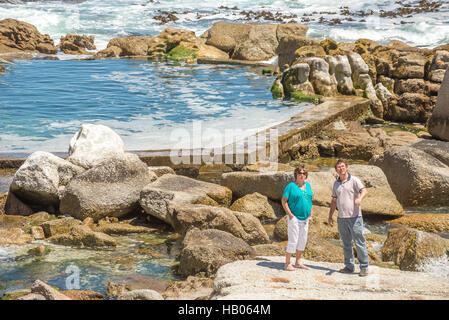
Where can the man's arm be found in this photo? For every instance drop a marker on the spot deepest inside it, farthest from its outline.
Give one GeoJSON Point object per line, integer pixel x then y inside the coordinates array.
{"type": "Point", "coordinates": [330, 221]}
{"type": "Point", "coordinates": [362, 195]}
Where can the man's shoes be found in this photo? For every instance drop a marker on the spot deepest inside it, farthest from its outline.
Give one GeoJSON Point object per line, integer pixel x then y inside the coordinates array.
{"type": "Point", "coordinates": [346, 270]}
{"type": "Point", "coordinates": [363, 272]}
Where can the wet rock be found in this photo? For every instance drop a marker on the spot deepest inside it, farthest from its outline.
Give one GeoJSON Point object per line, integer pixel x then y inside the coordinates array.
{"type": "Point", "coordinates": [142, 294]}
{"type": "Point", "coordinates": [156, 199]}
{"type": "Point", "coordinates": [439, 121]}
{"type": "Point", "coordinates": [77, 44]}
{"type": "Point", "coordinates": [94, 143]}
{"type": "Point", "coordinates": [207, 250]}
{"type": "Point", "coordinates": [38, 251]}
{"type": "Point", "coordinates": [296, 78]}
{"type": "Point", "coordinates": [40, 287]}
{"type": "Point", "coordinates": [83, 236]}
{"type": "Point", "coordinates": [59, 226]}
{"type": "Point", "coordinates": [19, 36]}
{"type": "Point", "coordinates": [255, 204]}
{"type": "Point", "coordinates": [39, 179]}
{"type": "Point", "coordinates": [240, 224]}
{"type": "Point", "coordinates": [14, 236]}
{"type": "Point", "coordinates": [418, 173]}
{"type": "Point", "coordinates": [111, 188]}
{"type": "Point", "coordinates": [410, 249]}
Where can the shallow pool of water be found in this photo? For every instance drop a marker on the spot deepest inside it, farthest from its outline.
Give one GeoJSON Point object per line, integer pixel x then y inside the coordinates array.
{"type": "Point", "coordinates": [87, 269]}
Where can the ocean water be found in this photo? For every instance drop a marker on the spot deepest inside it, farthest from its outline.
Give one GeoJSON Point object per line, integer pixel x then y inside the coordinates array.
{"type": "Point", "coordinates": [43, 103]}
{"type": "Point", "coordinates": [119, 18]}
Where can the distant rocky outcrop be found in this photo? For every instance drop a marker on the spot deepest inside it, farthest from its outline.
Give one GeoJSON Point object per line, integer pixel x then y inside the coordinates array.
{"type": "Point", "coordinates": [402, 82]}
{"type": "Point", "coordinates": [19, 36]}
{"type": "Point", "coordinates": [77, 44]}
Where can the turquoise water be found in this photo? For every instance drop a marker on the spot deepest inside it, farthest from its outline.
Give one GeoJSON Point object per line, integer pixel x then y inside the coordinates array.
{"type": "Point", "coordinates": [43, 102]}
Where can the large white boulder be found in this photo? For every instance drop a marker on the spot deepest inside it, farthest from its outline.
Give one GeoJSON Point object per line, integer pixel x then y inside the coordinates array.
{"type": "Point", "coordinates": [92, 144]}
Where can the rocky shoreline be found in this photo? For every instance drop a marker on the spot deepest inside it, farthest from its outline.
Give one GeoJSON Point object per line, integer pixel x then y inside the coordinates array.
{"type": "Point", "coordinates": [230, 230]}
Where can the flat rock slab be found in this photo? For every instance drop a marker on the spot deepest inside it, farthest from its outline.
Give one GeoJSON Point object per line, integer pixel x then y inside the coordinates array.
{"type": "Point", "coordinates": [266, 279]}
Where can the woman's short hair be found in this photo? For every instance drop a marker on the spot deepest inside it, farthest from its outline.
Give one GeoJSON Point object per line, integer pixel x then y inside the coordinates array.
{"type": "Point", "coordinates": [299, 169]}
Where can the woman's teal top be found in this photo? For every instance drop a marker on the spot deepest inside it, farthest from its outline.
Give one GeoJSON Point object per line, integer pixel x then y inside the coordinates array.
{"type": "Point", "coordinates": [299, 201]}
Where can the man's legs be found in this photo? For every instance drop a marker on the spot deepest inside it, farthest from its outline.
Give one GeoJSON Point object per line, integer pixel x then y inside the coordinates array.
{"type": "Point", "coordinates": [344, 228]}
{"type": "Point", "coordinates": [360, 242]}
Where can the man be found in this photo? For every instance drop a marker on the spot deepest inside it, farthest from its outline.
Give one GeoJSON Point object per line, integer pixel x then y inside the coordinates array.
{"type": "Point", "coordinates": [347, 195]}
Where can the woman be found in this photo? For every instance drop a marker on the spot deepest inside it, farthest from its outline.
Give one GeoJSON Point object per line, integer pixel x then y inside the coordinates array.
{"type": "Point", "coordinates": [297, 203]}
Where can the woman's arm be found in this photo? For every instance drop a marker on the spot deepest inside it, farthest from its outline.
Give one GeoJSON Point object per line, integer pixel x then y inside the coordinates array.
{"type": "Point", "coordinates": [284, 202]}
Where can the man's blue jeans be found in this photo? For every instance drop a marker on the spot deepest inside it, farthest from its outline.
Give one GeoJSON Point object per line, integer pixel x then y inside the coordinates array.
{"type": "Point", "coordinates": [352, 229]}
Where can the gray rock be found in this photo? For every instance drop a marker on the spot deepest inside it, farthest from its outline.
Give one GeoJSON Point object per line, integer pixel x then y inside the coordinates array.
{"type": "Point", "coordinates": [32, 296]}
{"type": "Point", "coordinates": [39, 179]}
{"type": "Point", "coordinates": [109, 189]}
{"type": "Point", "coordinates": [439, 121]}
{"type": "Point", "coordinates": [207, 250]}
{"type": "Point", "coordinates": [417, 173]}
{"type": "Point", "coordinates": [240, 224]}
{"type": "Point", "coordinates": [158, 197]}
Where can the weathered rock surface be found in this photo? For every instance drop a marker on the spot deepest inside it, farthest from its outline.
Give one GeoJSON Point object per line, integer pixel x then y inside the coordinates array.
{"type": "Point", "coordinates": [439, 121]}
{"type": "Point", "coordinates": [267, 280]}
{"type": "Point", "coordinates": [19, 36]}
{"type": "Point", "coordinates": [428, 222]}
{"type": "Point", "coordinates": [94, 143]}
{"type": "Point", "coordinates": [158, 198]}
{"type": "Point", "coordinates": [207, 250]}
{"type": "Point", "coordinates": [77, 44]}
{"type": "Point", "coordinates": [83, 236]}
{"type": "Point", "coordinates": [14, 236]}
{"type": "Point", "coordinates": [40, 287]}
{"type": "Point", "coordinates": [15, 206]}
{"type": "Point", "coordinates": [410, 248]}
{"type": "Point", "coordinates": [59, 226]}
{"type": "Point", "coordinates": [193, 288]}
{"type": "Point", "coordinates": [240, 224]}
{"type": "Point", "coordinates": [41, 178]}
{"type": "Point", "coordinates": [255, 204]}
{"type": "Point", "coordinates": [418, 173]}
{"type": "Point", "coordinates": [111, 188]}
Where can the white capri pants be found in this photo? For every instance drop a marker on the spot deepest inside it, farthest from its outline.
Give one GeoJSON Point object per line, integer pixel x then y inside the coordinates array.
{"type": "Point", "coordinates": [297, 234]}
